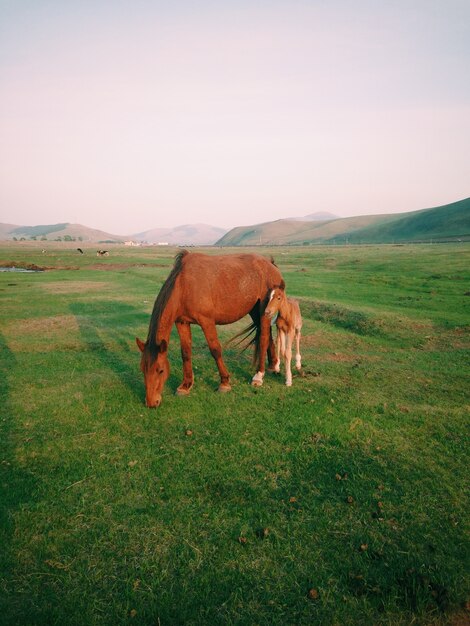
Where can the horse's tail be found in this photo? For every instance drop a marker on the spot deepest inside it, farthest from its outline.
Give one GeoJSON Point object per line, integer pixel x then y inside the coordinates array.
{"type": "Point", "coordinates": [249, 336]}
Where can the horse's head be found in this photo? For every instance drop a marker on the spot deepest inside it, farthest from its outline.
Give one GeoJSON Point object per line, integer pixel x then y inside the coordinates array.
{"type": "Point", "coordinates": [277, 298]}
{"type": "Point", "coordinates": [156, 369]}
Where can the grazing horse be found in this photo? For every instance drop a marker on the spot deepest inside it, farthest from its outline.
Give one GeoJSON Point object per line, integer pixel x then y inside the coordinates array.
{"type": "Point", "coordinates": [289, 325]}
{"type": "Point", "coordinates": [208, 290]}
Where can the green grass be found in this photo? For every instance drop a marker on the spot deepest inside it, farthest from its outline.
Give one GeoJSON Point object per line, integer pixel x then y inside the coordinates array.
{"type": "Point", "coordinates": [230, 509]}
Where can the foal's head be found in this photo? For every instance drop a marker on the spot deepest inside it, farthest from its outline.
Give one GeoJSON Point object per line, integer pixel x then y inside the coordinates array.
{"type": "Point", "coordinates": [156, 368]}
{"type": "Point", "coordinates": [277, 298]}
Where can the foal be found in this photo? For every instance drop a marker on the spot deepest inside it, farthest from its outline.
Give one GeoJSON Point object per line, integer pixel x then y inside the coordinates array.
{"type": "Point", "coordinates": [289, 325]}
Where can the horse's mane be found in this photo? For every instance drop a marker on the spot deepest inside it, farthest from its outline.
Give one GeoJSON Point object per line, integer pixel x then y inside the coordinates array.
{"type": "Point", "coordinates": [161, 302]}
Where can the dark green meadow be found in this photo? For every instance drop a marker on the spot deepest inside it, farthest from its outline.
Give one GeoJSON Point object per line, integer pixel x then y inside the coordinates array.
{"type": "Point", "coordinates": [341, 500]}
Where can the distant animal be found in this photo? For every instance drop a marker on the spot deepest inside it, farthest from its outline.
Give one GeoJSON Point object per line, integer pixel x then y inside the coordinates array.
{"type": "Point", "coordinates": [289, 326]}
{"type": "Point", "coordinates": [43, 251]}
{"type": "Point", "coordinates": [102, 253]}
{"type": "Point", "coordinates": [208, 290]}
{"type": "Point", "coordinates": [80, 250]}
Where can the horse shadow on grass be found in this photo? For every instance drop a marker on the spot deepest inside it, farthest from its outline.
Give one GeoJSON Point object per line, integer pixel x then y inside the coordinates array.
{"type": "Point", "coordinates": [107, 330]}
{"type": "Point", "coordinates": [18, 486]}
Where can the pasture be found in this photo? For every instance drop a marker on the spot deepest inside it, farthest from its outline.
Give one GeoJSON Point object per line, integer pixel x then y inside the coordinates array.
{"type": "Point", "coordinates": [340, 500]}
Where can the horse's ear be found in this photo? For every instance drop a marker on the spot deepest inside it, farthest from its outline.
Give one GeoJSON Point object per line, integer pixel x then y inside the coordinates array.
{"type": "Point", "coordinates": [140, 344]}
{"type": "Point", "coordinates": [162, 346]}
{"type": "Point", "coordinates": [282, 285]}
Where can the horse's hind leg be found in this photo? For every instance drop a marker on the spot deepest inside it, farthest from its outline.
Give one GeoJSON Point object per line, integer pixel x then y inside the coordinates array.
{"type": "Point", "coordinates": [210, 333]}
{"type": "Point", "coordinates": [184, 332]}
{"type": "Point", "coordinates": [264, 341]}
{"type": "Point", "coordinates": [255, 315]}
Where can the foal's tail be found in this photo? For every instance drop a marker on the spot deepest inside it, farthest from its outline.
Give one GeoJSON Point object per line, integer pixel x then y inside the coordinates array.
{"type": "Point", "coordinates": [249, 336]}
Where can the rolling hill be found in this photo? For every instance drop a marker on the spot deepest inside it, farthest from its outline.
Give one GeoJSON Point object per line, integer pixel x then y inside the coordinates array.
{"type": "Point", "coordinates": [58, 232]}
{"type": "Point", "coordinates": [188, 234]}
{"type": "Point", "coordinates": [448, 222]}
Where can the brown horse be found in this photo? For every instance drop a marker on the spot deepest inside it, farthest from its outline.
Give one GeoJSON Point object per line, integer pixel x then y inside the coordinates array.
{"type": "Point", "coordinates": [208, 290]}
{"type": "Point", "coordinates": [289, 326]}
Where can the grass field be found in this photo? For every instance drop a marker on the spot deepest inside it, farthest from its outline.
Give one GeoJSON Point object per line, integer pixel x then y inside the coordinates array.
{"type": "Point", "coordinates": [341, 500]}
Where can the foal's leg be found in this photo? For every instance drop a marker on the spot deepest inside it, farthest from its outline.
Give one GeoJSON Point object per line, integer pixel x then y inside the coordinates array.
{"type": "Point", "coordinates": [288, 356]}
{"type": "Point", "coordinates": [272, 355]}
{"type": "Point", "coordinates": [298, 358]}
{"type": "Point", "coordinates": [184, 332]}
{"type": "Point", "coordinates": [210, 333]}
{"type": "Point", "coordinates": [277, 364]}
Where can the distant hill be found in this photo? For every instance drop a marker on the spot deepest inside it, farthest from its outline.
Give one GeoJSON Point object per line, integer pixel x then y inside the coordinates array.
{"type": "Point", "coordinates": [285, 232]}
{"type": "Point", "coordinates": [5, 230]}
{"type": "Point", "coordinates": [54, 232]}
{"type": "Point", "coordinates": [448, 222]}
{"type": "Point", "coordinates": [319, 216]}
{"type": "Point", "coordinates": [188, 234]}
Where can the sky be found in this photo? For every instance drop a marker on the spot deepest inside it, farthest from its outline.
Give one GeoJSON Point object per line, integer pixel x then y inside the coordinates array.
{"type": "Point", "coordinates": [128, 115]}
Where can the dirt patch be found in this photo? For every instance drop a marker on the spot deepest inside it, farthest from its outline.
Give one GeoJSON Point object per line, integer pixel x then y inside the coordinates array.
{"type": "Point", "coordinates": [43, 334]}
{"type": "Point", "coordinates": [317, 340]}
{"type": "Point", "coordinates": [339, 357]}
{"type": "Point", "coordinates": [44, 325]}
{"type": "Point", "coordinates": [125, 266]}
{"type": "Point", "coordinates": [110, 266]}
{"type": "Point", "coordinates": [75, 286]}
{"type": "Point", "coordinates": [33, 267]}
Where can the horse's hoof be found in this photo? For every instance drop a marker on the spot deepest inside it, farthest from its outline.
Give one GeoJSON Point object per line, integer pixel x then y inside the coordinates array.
{"type": "Point", "coordinates": [224, 388]}
{"type": "Point", "coordinates": [257, 379]}
{"type": "Point", "coordinates": [288, 383]}
{"type": "Point", "coordinates": [183, 391]}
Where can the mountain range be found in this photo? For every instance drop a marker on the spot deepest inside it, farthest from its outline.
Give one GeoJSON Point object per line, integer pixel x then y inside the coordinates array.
{"type": "Point", "coordinates": [443, 223]}
{"type": "Point", "coordinates": [187, 235]}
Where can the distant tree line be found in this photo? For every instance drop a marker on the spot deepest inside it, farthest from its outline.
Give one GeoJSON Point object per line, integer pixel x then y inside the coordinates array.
{"type": "Point", "coordinates": [44, 238]}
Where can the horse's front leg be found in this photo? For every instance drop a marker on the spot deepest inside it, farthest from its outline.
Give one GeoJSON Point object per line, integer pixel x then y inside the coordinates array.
{"type": "Point", "coordinates": [298, 358]}
{"type": "Point", "coordinates": [265, 337]}
{"type": "Point", "coordinates": [210, 333]}
{"type": "Point", "coordinates": [184, 332]}
{"type": "Point", "coordinates": [277, 364]}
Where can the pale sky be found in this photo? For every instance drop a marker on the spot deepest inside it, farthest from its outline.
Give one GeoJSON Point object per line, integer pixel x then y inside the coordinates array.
{"type": "Point", "coordinates": [129, 115]}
